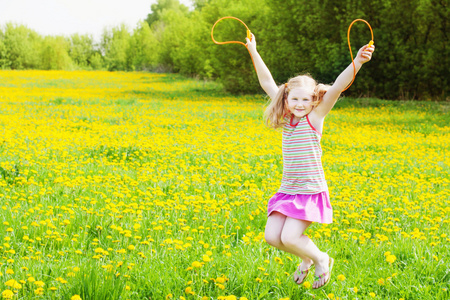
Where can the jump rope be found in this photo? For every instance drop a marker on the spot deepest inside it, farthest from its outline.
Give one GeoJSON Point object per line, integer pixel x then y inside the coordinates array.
{"type": "Point", "coordinates": [249, 36]}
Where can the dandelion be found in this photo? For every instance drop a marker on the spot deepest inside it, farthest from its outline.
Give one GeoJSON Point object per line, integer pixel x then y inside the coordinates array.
{"type": "Point", "coordinates": [278, 260]}
{"type": "Point", "coordinates": [39, 283]}
{"type": "Point", "coordinates": [391, 258]}
{"type": "Point", "coordinates": [188, 290]}
{"type": "Point", "coordinates": [372, 294]}
{"type": "Point", "coordinates": [14, 284]}
{"type": "Point", "coordinates": [7, 294]}
{"type": "Point", "coordinates": [306, 284]}
{"type": "Point", "coordinates": [76, 297]}
{"type": "Point", "coordinates": [39, 291]}
{"type": "Point", "coordinates": [341, 277]}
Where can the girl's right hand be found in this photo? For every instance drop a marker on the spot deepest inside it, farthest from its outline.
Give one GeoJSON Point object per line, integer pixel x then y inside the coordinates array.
{"type": "Point", "coordinates": [251, 44]}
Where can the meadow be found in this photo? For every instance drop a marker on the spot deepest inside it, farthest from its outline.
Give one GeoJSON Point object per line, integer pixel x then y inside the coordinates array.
{"type": "Point", "coordinates": [152, 186]}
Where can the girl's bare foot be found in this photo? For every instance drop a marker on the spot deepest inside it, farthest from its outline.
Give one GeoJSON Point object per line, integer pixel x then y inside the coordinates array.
{"type": "Point", "coordinates": [302, 271]}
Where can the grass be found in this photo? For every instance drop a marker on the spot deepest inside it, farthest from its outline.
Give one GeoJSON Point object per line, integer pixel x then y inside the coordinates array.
{"type": "Point", "coordinates": [152, 186]}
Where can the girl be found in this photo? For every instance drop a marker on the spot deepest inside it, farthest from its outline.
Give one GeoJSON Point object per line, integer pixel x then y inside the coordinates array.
{"type": "Point", "coordinates": [299, 107]}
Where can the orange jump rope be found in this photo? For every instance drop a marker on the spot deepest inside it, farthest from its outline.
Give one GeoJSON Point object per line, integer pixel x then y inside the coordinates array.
{"type": "Point", "coordinates": [249, 36]}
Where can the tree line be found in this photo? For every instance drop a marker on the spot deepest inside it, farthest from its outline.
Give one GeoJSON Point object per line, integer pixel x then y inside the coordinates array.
{"type": "Point", "coordinates": [410, 62]}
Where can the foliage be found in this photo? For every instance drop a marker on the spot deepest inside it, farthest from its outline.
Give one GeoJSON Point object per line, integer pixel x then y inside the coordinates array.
{"type": "Point", "coordinates": [411, 38]}
{"type": "Point", "coordinates": [115, 44]}
{"type": "Point", "coordinates": [54, 54]}
{"type": "Point", "coordinates": [143, 51]}
{"type": "Point", "coordinates": [81, 50]}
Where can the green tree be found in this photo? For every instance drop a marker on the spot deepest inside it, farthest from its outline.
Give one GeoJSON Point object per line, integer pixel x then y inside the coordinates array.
{"type": "Point", "coordinates": [231, 64]}
{"type": "Point", "coordinates": [4, 59]}
{"type": "Point", "coordinates": [184, 43]}
{"type": "Point", "coordinates": [162, 6]}
{"type": "Point", "coordinates": [54, 54]}
{"type": "Point", "coordinates": [22, 46]}
{"type": "Point", "coordinates": [115, 44]}
{"type": "Point", "coordinates": [81, 49]}
{"type": "Point", "coordinates": [143, 51]}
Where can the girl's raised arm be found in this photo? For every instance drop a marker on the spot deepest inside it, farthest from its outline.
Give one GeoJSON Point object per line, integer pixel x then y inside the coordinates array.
{"type": "Point", "coordinates": [343, 80]}
{"type": "Point", "coordinates": [265, 78]}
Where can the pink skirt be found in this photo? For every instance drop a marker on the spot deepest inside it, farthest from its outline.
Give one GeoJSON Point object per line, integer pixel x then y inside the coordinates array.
{"type": "Point", "coordinates": [314, 208]}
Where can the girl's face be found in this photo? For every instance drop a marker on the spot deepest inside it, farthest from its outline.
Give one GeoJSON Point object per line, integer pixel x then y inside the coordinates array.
{"type": "Point", "coordinates": [300, 102]}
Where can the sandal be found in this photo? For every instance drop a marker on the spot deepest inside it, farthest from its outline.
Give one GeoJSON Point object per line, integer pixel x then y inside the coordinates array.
{"type": "Point", "coordinates": [301, 273]}
{"type": "Point", "coordinates": [317, 278]}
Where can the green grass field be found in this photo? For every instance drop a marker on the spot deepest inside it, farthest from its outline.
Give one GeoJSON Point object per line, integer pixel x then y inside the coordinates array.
{"type": "Point", "coordinates": [151, 186]}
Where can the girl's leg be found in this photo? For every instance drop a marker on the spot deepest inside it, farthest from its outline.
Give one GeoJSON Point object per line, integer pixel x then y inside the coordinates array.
{"type": "Point", "coordinates": [297, 243]}
{"type": "Point", "coordinates": [274, 227]}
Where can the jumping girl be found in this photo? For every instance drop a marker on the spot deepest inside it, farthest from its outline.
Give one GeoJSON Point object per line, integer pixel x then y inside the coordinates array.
{"type": "Point", "coordinates": [300, 107]}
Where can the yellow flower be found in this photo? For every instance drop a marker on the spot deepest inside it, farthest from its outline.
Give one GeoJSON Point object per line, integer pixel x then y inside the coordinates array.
{"type": "Point", "coordinates": [196, 264]}
{"type": "Point", "coordinates": [330, 296]}
{"type": "Point", "coordinates": [391, 258]}
{"type": "Point", "coordinates": [131, 247]}
{"type": "Point", "coordinates": [372, 294]}
{"type": "Point", "coordinates": [306, 284]}
{"type": "Point", "coordinates": [220, 286]}
{"type": "Point", "coordinates": [39, 283]}
{"type": "Point", "coordinates": [355, 289]}
{"type": "Point", "coordinates": [31, 279]}
{"type": "Point", "coordinates": [206, 258]}
{"type": "Point", "coordinates": [39, 291]}
{"type": "Point", "coordinates": [7, 294]}
{"type": "Point", "coordinates": [341, 277]}
{"type": "Point", "coordinates": [381, 281]}
{"type": "Point", "coordinates": [14, 284]}
{"type": "Point", "coordinates": [76, 297]}
{"type": "Point", "coordinates": [188, 290]}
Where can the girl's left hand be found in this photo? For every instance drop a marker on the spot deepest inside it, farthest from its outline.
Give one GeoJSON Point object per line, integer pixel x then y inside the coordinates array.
{"type": "Point", "coordinates": [365, 53]}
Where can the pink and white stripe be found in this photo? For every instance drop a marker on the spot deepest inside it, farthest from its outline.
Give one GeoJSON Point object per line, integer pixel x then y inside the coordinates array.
{"type": "Point", "coordinates": [302, 160]}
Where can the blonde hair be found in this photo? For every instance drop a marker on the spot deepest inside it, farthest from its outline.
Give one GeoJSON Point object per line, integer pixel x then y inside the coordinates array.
{"type": "Point", "coordinates": [274, 115]}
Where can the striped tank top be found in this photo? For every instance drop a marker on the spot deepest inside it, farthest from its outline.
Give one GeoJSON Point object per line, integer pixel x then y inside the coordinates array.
{"type": "Point", "coordinates": [302, 163]}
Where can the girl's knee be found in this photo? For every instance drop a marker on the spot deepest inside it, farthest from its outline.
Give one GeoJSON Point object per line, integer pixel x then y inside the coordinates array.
{"type": "Point", "coordinates": [273, 240]}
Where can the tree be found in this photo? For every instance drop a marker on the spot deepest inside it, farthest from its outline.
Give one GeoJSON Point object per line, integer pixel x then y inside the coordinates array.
{"type": "Point", "coordinates": [115, 44]}
{"type": "Point", "coordinates": [54, 54]}
{"type": "Point", "coordinates": [21, 46]}
{"type": "Point", "coordinates": [162, 6]}
{"type": "Point", "coordinates": [143, 51]}
{"type": "Point", "coordinates": [81, 49]}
